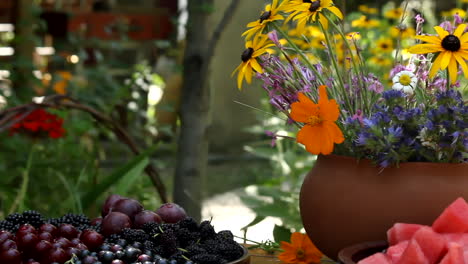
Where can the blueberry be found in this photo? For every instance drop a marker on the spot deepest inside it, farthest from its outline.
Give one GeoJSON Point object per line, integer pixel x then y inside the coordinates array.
{"type": "Point", "coordinates": [106, 256]}
{"type": "Point", "coordinates": [122, 242]}
{"type": "Point", "coordinates": [105, 247]}
{"type": "Point", "coordinates": [137, 244]}
{"type": "Point", "coordinates": [162, 261]}
{"type": "Point", "coordinates": [119, 254]}
{"type": "Point", "coordinates": [131, 253]}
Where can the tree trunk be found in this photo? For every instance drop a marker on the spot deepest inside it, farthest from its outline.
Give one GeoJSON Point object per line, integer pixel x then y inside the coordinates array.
{"type": "Point", "coordinates": [194, 112]}
{"type": "Point", "coordinates": [23, 71]}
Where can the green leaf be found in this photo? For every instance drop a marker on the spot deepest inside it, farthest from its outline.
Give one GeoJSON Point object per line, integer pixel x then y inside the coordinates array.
{"type": "Point", "coordinates": [90, 197]}
{"type": "Point", "coordinates": [129, 178]}
{"type": "Point", "coordinates": [257, 220]}
{"type": "Point", "coordinates": [281, 233]}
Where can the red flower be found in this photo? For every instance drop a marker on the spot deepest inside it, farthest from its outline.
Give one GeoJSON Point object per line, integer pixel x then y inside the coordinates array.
{"type": "Point", "coordinates": [39, 123]}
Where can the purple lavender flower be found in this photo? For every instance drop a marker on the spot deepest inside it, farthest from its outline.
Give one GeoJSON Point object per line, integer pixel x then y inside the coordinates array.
{"type": "Point", "coordinates": [373, 83]}
{"type": "Point", "coordinates": [447, 25]}
{"type": "Point", "coordinates": [273, 36]}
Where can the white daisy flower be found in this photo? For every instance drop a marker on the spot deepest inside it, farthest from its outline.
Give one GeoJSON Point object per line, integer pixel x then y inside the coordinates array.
{"type": "Point", "coordinates": [405, 81]}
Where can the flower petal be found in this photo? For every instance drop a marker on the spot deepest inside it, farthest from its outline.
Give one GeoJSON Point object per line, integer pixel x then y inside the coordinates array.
{"type": "Point", "coordinates": [462, 63]}
{"type": "Point", "coordinates": [429, 39]}
{"type": "Point", "coordinates": [436, 65]}
{"type": "Point", "coordinates": [453, 70]}
{"type": "Point", "coordinates": [335, 10]}
{"type": "Point", "coordinates": [301, 111]}
{"type": "Point", "coordinates": [441, 32]}
{"type": "Point", "coordinates": [425, 48]}
{"type": "Point", "coordinates": [460, 29]}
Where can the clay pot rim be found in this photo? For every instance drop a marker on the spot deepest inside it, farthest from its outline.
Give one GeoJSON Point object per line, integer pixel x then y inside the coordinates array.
{"type": "Point", "coordinates": [346, 254]}
{"type": "Point", "coordinates": [344, 158]}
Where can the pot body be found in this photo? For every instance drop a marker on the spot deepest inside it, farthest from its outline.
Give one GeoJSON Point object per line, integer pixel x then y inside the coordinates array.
{"type": "Point", "coordinates": [344, 201]}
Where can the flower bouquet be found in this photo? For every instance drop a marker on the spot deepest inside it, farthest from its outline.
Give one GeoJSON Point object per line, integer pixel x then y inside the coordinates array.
{"type": "Point", "coordinates": [380, 90]}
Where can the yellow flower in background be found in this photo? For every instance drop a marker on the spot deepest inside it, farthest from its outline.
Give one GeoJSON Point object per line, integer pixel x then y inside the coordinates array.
{"type": "Point", "coordinates": [463, 1]}
{"type": "Point", "coordinates": [60, 86]}
{"type": "Point", "coordinates": [454, 11]}
{"type": "Point", "coordinates": [270, 14]}
{"type": "Point", "coordinates": [451, 49]}
{"type": "Point", "coordinates": [304, 11]}
{"type": "Point", "coordinates": [381, 61]}
{"type": "Point", "coordinates": [368, 10]}
{"type": "Point", "coordinates": [402, 32]}
{"type": "Point", "coordinates": [384, 45]}
{"type": "Point", "coordinates": [394, 13]}
{"type": "Point", "coordinates": [353, 36]}
{"type": "Point", "coordinates": [365, 22]}
{"type": "Point", "coordinates": [253, 49]}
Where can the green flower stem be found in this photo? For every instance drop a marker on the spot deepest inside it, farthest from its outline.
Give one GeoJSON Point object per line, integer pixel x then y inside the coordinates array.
{"type": "Point", "coordinates": [300, 52]}
{"type": "Point", "coordinates": [366, 106]}
{"type": "Point", "coordinates": [335, 65]}
{"type": "Point", "coordinates": [19, 200]}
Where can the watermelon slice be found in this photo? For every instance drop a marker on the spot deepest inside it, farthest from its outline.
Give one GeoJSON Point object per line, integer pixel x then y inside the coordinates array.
{"type": "Point", "coordinates": [431, 243]}
{"type": "Point", "coordinates": [413, 254]}
{"type": "Point", "coordinates": [454, 219]}
{"type": "Point", "coordinates": [378, 258]}
{"type": "Point", "coordinates": [394, 252]}
{"type": "Point", "coordinates": [400, 232]}
{"type": "Point", "coordinates": [454, 255]}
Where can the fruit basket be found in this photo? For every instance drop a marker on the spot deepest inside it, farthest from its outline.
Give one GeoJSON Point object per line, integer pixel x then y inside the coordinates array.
{"type": "Point", "coordinates": [125, 234]}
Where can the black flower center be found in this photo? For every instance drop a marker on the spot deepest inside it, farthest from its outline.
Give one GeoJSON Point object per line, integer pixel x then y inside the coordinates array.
{"type": "Point", "coordinates": [314, 6]}
{"type": "Point", "coordinates": [247, 54]}
{"type": "Point", "coordinates": [265, 16]}
{"type": "Point", "coordinates": [384, 46]}
{"type": "Point", "coordinates": [451, 42]}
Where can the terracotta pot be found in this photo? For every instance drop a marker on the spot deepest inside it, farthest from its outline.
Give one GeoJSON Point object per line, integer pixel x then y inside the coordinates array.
{"type": "Point", "coordinates": [355, 253]}
{"type": "Point", "coordinates": [344, 201]}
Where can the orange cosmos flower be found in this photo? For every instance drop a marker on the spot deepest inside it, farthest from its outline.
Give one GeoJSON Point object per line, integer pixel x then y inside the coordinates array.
{"type": "Point", "coordinates": [320, 132]}
{"type": "Point", "coordinates": [300, 251]}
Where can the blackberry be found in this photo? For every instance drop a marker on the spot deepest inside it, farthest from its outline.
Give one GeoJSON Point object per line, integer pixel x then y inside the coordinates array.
{"type": "Point", "coordinates": [185, 237]}
{"type": "Point", "coordinates": [150, 227]}
{"type": "Point", "coordinates": [15, 218]}
{"type": "Point", "coordinates": [206, 230]}
{"type": "Point", "coordinates": [230, 250]}
{"type": "Point", "coordinates": [113, 239]}
{"type": "Point", "coordinates": [168, 241]}
{"type": "Point", "coordinates": [179, 257]}
{"type": "Point", "coordinates": [210, 245]}
{"type": "Point", "coordinates": [225, 235]}
{"type": "Point", "coordinates": [134, 235]}
{"type": "Point", "coordinates": [194, 249]}
{"type": "Point", "coordinates": [33, 218]}
{"type": "Point", "coordinates": [149, 245]}
{"type": "Point", "coordinates": [188, 223]}
{"type": "Point", "coordinates": [80, 221]}
{"type": "Point", "coordinates": [9, 226]}
{"type": "Point", "coordinates": [208, 259]}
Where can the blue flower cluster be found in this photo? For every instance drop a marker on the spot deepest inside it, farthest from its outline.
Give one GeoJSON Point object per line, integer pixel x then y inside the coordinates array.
{"type": "Point", "coordinates": [398, 131]}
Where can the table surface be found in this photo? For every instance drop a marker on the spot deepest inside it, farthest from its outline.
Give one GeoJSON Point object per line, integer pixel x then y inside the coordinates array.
{"type": "Point", "coordinates": [259, 256]}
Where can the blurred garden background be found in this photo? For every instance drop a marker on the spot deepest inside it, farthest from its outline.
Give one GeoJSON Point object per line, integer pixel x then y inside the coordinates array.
{"type": "Point", "coordinates": [150, 110]}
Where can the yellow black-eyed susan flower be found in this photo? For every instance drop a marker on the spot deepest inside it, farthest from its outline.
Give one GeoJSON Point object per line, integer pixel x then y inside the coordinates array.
{"type": "Point", "coordinates": [270, 14]}
{"type": "Point", "coordinates": [394, 13]}
{"type": "Point", "coordinates": [253, 49]}
{"type": "Point", "coordinates": [402, 31]}
{"type": "Point", "coordinates": [451, 49]}
{"type": "Point", "coordinates": [384, 45]}
{"type": "Point", "coordinates": [303, 11]}
{"type": "Point", "coordinates": [365, 22]}
{"type": "Point", "coordinates": [368, 10]}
